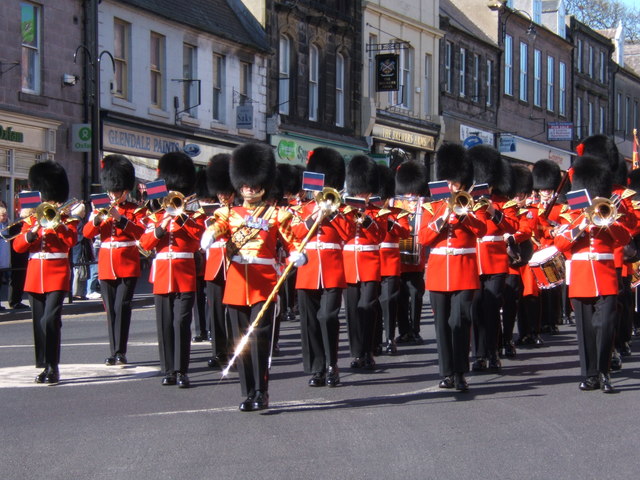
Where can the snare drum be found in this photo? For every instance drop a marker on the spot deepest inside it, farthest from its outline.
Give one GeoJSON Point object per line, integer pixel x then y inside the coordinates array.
{"type": "Point", "coordinates": [635, 274]}
{"type": "Point", "coordinates": [547, 266]}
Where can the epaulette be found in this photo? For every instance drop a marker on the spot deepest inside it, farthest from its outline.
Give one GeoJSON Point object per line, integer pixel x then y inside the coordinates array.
{"type": "Point", "coordinates": [383, 211]}
{"type": "Point", "coordinates": [348, 209]}
{"type": "Point", "coordinates": [523, 211]}
{"type": "Point", "coordinates": [139, 209]}
{"type": "Point", "coordinates": [565, 208]}
{"type": "Point", "coordinates": [297, 208]}
{"type": "Point", "coordinates": [198, 213]}
{"type": "Point", "coordinates": [403, 213]}
{"type": "Point", "coordinates": [30, 220]}
{"type": "Point", "coordinates": [628, 193]}
{"type": "Point", "coordinates": [428, 207]}
{"type": "Point", "coordinates": [509, 204]}
{"type": "Point", "coordinates": [71, 219]}
{"type": "Point", "coordinates": [635, 204]}
{"type": "Point", "coordinates": [566, 216]}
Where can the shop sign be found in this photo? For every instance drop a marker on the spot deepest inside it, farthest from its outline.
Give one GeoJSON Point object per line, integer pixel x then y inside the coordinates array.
{"type": "Point", "coordinates": [387, 72]}
{"type": "Point", "coordinates": [81, 137]}
{"type": "Point", "coordinates": [467, 131]}
{"type": "Point", "coordinates": [405, 137]}
{"type": "Point", "coordinates": [297, 151]}
{"type": "Point", "coordinates": [244, 117]}
{"type": "Point", "coordinates": [560, 131]}
{"type": "Point", "coordinates": [138, 143]}
{"type": "Point", "coordinates": [472, 141]}
{"type": "Point", "coordinates": [507, 144]}
{"type": "Point", "coordinates": [7, 133]}
{"type": "Point", "coordinates": [192, 149]}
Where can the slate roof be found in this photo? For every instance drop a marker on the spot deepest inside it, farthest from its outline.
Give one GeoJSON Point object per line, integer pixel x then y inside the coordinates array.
{"type": "Point", "coordinates": [228, 19]}
{"type": "Point", "coordinates": [460, 21]}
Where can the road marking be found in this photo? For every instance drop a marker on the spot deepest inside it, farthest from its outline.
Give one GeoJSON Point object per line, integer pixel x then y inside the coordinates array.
{"type": "Point", "coordinates": [86, 344]}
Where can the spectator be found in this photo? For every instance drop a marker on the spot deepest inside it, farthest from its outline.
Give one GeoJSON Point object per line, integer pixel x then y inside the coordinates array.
{"type": "Point", "coordinates": [5, 250]}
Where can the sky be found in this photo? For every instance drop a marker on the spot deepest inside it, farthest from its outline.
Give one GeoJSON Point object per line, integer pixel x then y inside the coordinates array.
{"type": "Point", "coordinates": [631, 3]}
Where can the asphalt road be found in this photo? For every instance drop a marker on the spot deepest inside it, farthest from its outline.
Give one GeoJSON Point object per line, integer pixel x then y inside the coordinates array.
{"type": "Point", "coordinates": [101, 422]}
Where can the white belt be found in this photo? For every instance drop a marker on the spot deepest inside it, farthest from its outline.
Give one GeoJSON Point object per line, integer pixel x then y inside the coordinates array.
{"type": "Point", "coordinates": [218, 244]}
{"type": "Point", "coordinates": [362, 248]}
{"type": "Point", "coordinates": [389, 245]}
{"type": "Point", "coordinates": [48, 255]}
{"type": "Point", "coordinates": [170, 255]}
{"type": "Point", "coordinates": [117, 244]}
{"type": "Point", "coordinates": [452, 251]}
{"type": "Point", "coordinates": [323, 246]}
{"type": "Point", "coordinates": [491, 238]}
{"type": "Point", "coordinates": [252, 260]}
{"type": "Point", "coordinates": [592, 256]}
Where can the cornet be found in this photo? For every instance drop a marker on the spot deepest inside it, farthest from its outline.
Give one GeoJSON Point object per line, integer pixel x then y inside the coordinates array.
{"type": "Point", "coordinates": [602, 212]}
{"type": "Point", "coordinates": [461, 203]}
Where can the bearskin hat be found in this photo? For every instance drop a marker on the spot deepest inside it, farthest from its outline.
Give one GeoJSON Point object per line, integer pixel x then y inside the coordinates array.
{"type": "Point", "coordinates": [590, 173]}
{"type": "Point", "coordinates": [621, 172]}
{"type": "Point", "coordinates": [522, 180]}
{"type": "Point", "coordinates": [504, 184]}
{"type": "Point", "coordinates": [254, 165]}
{"type": "Point", "coordinates": [290, 178]}
{"type": "Point", "coordinates": [178, 171]}
{"type": "Point", "coordinates": [201, 188]}
{"type": "Point", "coordinates": [411, 178]}
{"type": "Point", "coordinates": [362, 176]}
{"type": "Point", "coordinates": [487, 165]}
{"type": "Point", "coordinates": [276, 192]}
{"type": "Point", "coordinates": [330, 162]}
{"type": "Point", "coordinates": [546, 175]}
{"type": "Point", "coordinates": [387, 182]}
{"type": "Point", "coordinates": [117, 173]}
{"type": "Point", "coordinates": [602, 147]}
{"type": "Point", "coordinates": [50, 179]}
{"type": "Point", "coordinates": [634, 179]}
{"type": "Point", "coordinates": [453, 164]}
{"type": "Point", "coordinates": [218, 180]}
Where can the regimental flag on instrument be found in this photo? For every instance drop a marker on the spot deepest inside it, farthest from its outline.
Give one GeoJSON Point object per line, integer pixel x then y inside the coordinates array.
{"type": "Point", "coordinates": [356, 202]}
{"type": "Point", "coordinates": [313, 181]}
{"type": "Point", "coordinates": [156, 189]}
{"type": "Point", "coordinates": [100, 200]}
{"type": "Point", "coordinates": [29, 199]}
{"type": "Point", "coordinates": [635, 163]}
{"type": "Point", "coordinates": [480, 190]}
{"type": "Point", "coordinates": [578, 199]}
{"type": "Point", "coordinates": [439, 190]}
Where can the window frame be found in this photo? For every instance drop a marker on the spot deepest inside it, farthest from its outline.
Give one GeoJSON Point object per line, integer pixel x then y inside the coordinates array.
{"type": "Point", "coordinates": [508, 65]}
{"type": "Point", "coordinates": [562, 88]}
{"type": "Point", "coordinates": [314, 82]}
{"type": "Point", "coordinates": [523, 93]}
{"type": "Point", "coordinates": [462, 73]}
{"type": "Point", "coordinates": [156, 70]}
{"type": "Point", "coordinates": [284, 75]}
{"type": "Point", "coordinates": [31, 55]}
{"type": "Point", "coordinates": [551, 62]}
{"type": "Point", "coordinates": [537, 78]}
{"type": "Point", "coordinates": [218, 65]}
{"type": "Point", "coordinates": [122, 59]}
{"type": "Point", "coordinates": [340, 89]}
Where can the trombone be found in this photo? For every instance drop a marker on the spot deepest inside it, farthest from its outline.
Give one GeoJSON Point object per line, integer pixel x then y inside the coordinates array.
{"type": "Point", "coordinates": [174, 204]}
{"type": "Point", "coordinates": [48, 215]}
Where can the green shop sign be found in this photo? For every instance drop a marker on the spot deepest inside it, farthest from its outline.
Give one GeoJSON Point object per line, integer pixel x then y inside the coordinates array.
{"type": "Point", "coordinates": [10, 136]}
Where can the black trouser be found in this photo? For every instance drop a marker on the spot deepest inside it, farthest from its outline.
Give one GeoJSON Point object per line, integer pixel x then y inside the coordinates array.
{"type": "Point", "coordinates": [47, 325]}
{"type": "Point", "coordinates": [595, 325]}
{"type": "Point", "coordinates": [551, 306]}
{"type": "Point", "coordinates": [529, 316]}
{"type": "Point", "coordinates": [410, 302]}
{"type": "Point", "coordinates": [253, 368]}
{"type": "Point", "coordinates": [319, 327]}
{"type": "Point", "coordinates": [289, 291]}
{"type": "Point", "coordinates": [624, 326]}
{"type": "Point", "coordinates": [362, 310]}
{"type": "Point", "coordinates": [218, 316]}
{"type": "Point", "coordinates": [452, 316]}
{"type": "Point", "coordinates": [486, 315]}
{"type": "Point", "coordinates": [173, 319]}
{"type": "Point", "coordinates": [389, 295]}
{"type": "Point", "coordinates": [200, 309]}
{"type": "Point", "coordinates": [511, 299]}
{"type": "Point", "coordinates": [116, 297]}
{"type": "Point", "coordinates": [18, 275]}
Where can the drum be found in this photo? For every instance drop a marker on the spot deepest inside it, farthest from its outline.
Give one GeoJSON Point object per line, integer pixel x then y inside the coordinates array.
{"type": "Point", "coordinates": [409, 247]}
{"type": "Point", "coordinates": [547, 266]}
{"type": "Point", "coordinates": [409, 250]}
{"type": "Point", "coordinates": [635, 274]}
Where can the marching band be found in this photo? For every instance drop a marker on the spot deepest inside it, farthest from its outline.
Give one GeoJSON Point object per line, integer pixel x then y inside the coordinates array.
{"type": "Point", "coordinates": [498, 245]}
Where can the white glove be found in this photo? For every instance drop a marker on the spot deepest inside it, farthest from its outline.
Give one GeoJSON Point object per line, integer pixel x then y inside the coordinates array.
{"type": "Point", "coordinates": [298, 259]}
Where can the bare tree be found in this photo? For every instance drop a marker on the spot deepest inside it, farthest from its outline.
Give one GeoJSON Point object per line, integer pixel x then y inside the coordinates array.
{"type": "Point", "coordinates": [602, 14]}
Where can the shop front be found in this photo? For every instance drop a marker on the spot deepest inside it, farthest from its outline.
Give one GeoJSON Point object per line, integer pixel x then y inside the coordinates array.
{"type": "Point", "coordinates": [521, 149]}
{"type": "Point", "coordinates": [295, 148]}
{"type": "Point", "coordinates": [400, 144]}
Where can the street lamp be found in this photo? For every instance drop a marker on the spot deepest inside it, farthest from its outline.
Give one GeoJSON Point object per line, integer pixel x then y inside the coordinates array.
{"type": "Point", "coordinates": [501, 6]}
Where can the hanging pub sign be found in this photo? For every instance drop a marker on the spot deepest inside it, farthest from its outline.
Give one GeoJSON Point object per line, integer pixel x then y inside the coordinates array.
{"type": "Point", "coordinates": [387, 72]}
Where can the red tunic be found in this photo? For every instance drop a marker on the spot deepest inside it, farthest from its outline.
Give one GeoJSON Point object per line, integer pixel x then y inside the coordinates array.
{"type": "Point", "coordinates": [118, 256]}
{"type": "Point", "coordinates": [215, 250]}
{"type": "Point", "coordinates": [492, 250]}
{"type": "Point", "coordinates": [48, 268]}
{"type": "Point", "coordinates": [361, 254]}
{"type": "Point", "coordinates": [398, 228]}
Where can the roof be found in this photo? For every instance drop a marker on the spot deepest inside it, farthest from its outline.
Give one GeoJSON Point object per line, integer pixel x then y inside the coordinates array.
{"type": "Point", "coordinates": [460, 21]}
{"type": "Point", "coordinates": [228, 19]}
{"type": "Point", "coordinates": [632, 56]}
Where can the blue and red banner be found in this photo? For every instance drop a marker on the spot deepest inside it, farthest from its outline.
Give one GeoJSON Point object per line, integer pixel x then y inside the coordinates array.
{"type": "Point", "coordinates": [439, 190]}
{"type": "Point", "coordinates": [356, 202]}
{"type": "Point", "coordinates": [29, 199]}
{"type": "Point", "coordinates": [480, 190]}
{"type": "Point", "coordinates": [313, 181]}
{"type": "Point", "coordinates": [578, 199]}
{"type": "Point", "coordinates": [100, 200]}
{"type": "Point", "coordinates": [156, 189]}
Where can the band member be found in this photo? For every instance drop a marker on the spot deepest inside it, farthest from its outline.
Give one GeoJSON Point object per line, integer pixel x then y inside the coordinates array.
{"type": "Point", "coordinates": [361, 256]}
{"type": "Point", "coordinates": [321, 281]}
{"type": "Point", "coordinates": [48, 239]}
{"type": "Point", "coordinates": [215, 274]}
{"type": "Point", "coordinates": [634, 184]}
{"type": "Point", "coordinates": [593, 282]}
{"type": "Point", "coordinates": [253, 230]}
{"type": "Point", "coordinates": [398, 228]}
{"type": "Point", "coordinates": [175, 235]}
{"type": "Point", "coordinates": [492, 256]}
{"type": "Point", "coordinates": [201, 321]}
{"type": "Point", "coordinates": [411, 188]}
{"type": "Point", "coordinates": [452, 268]}
{"type": "Point", "coordinates": [118, 257]}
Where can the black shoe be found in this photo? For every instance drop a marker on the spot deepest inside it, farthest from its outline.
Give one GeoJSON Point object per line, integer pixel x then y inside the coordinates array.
{"type": "Point", "coordinates": [391, 348]}
{"type": "Point", "coordinates": [42, 375]}
{"type": "Point", "coordinates": [377, 351]}
{"type": "Point", "coordinates": [495, 364]}
{"type": "Point", "coordinates": [524, 340]}
{"type": "Point", "coordinates": [276, 350]}
{"type": "Point", "coordinates": [260, 401]}
{"type": "Point", "coordinates": [357, 363]}
{"type": "Point", "coordinates": [510, 350]}
{"type": "Point", "coordinates": [52, 377]}
{"type": "Point", "coordinates": [625, 351]}
{"type": "Point", "coordinates": [209, 337]}
{"type": "Point", "coordinates": [537, 341]}
{"type": "Point", "coordinates": [121, 359]}
{"type": "Point", "coordinates": [605, 383]}
{"type": "Point", "coordinates": [198, 338]}
{"type": "Point", "coordinates": [616, 361]}
{"type": "Point", "coordinates": [169, 379]}
{"type": "Point", "coordinates": [19, 306]}
{"type": "Point", "coordinates": [317, 380]}
{"type": "Point", "coordinates": [406, 338]}
{"type": "Point", "coordinates": [460, 382]}
{"type": "Point", "coordinates": [218, 362]}
{"type": "Point", "coordinates": [369, 362]}
{"type": "Point", "coordinates": [446, 382]}
{"type": "Point", "coordinates": [110, 361]}
{"type": "Point", "coordinates": [333, 376]}
{"type": "Point", "coordinates": [417, 339]}
{"type": "Point", "coordinates": [589, 383]}
{"type": "Point", "coordinates": [247, 405]}
{"type": "Point", "coordinates": [183, 380]}
{"type": "Point", "coordinates": [479, 365]}
{"type": "Point", "coordinates": [290, 315]}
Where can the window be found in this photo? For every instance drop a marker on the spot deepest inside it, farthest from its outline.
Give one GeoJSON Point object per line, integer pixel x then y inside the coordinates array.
{"type": "Point", "coordinates": [217, 80]}
{"type": "Point", "coordinates": [403, 97]}
{"type": "Point", "coordinates": [156, 66]}
{"type": "Point", "coordinates": [448, 74]}
{"type": "Point", "coordinates": [462, 84]}
{"type": "Point", "coordinates": [190, 89]}
{"type": "Point", "coordinates": [590, 120]}
{"type": "Point", "coordinates": [537, 78]}
{"type": "Point", "coordinates": [428, 84]}
{"type": "Point", "coordinates": [635, 114]}
{"type": "Point", "coordinates": [579, 118]}
{"type": "Point", "coordinates": [603, 67]}
{"type": "Point", "coordinates": [284, 75]}
{"type": "Point", "coordinates": [121, 55]}
{"type": "Point", "coordinates": [244, 89]}
{"type": "Point", "coordinates": [30, 38]}
{"type": "Point", "coordinates": [562, 99]}
{"type": "Point", "coordinates": [603, 120]}
{"type": "Point", "coordinates": [524, 72]}
{"type": "Point", "coordinates": [591, 61]}
{"type": "Point", "coordinates": [476, 77]}
{"type": "Point", "coordinates": [619, 111]}
{"type": "Point", "coordinates": [508, 65]}
{"type": "Point", "coordinates": [314, 66]}
{"type": "Point", "coordinates": [339, 90]}
{"type": "Point", "coordinates": [550, 84]}
{"type": "Point", "coordinates": [489, 84]}
{"type": "Point", "coordinates": [373, 39]}
{"type": "Point", "coordinates": [579, 56]}
{"type": "Point", "coordinates": [627, 116]}
{"type": "Point", "coordinates": [537, 11]}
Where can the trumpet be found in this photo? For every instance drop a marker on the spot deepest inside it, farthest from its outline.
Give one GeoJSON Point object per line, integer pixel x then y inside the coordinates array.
{"type": "Point", "coordinates": [328, 200]}
{"type": "Point", "coordinates": [49, 215]}
{"type": "Point", "coordinates": [461, 203]}
{"type": "Point", "coordinates": [175, 203]}
{"type": "Point", "coordinates": [602, 212]}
